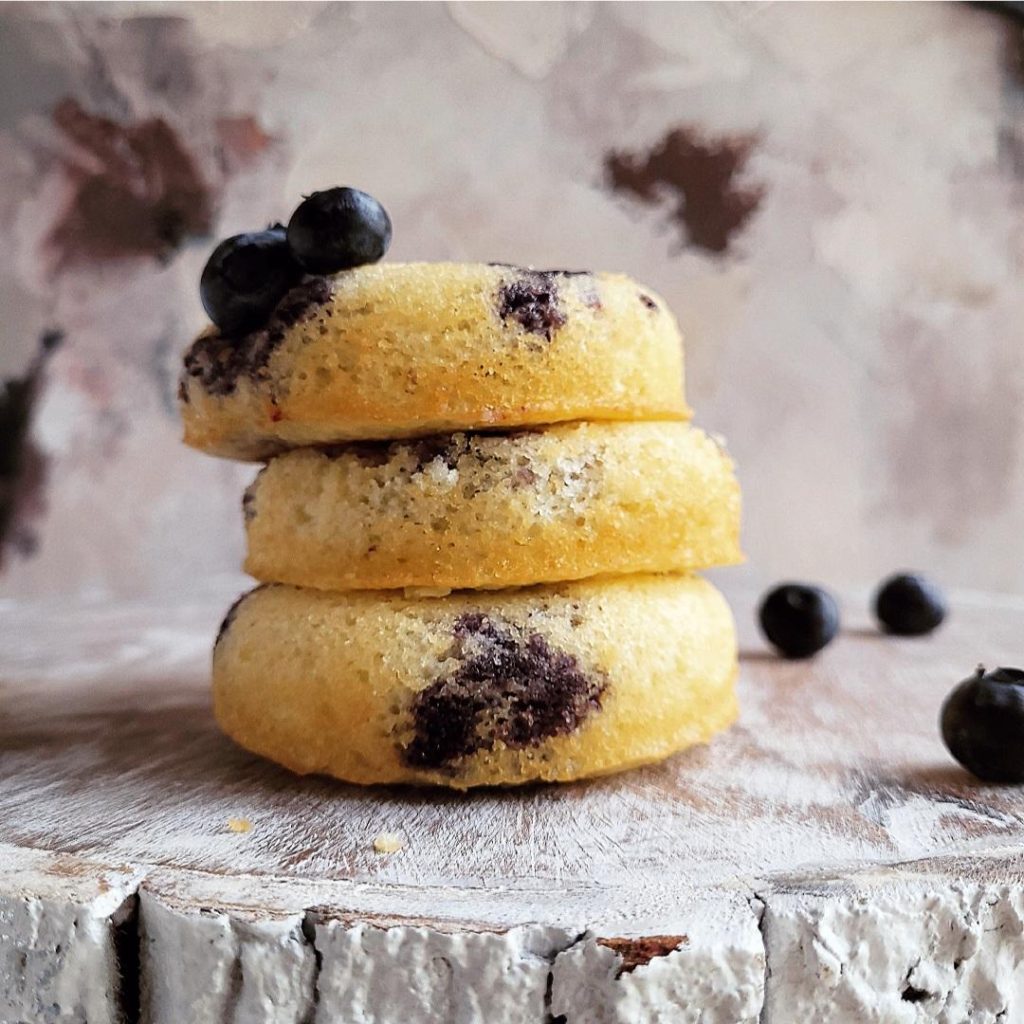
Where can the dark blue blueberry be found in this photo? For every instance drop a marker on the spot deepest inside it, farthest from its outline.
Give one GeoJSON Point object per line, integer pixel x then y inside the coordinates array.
{"type": "Point", "coordinates": [983, 724]}
{"type": "Point", "coordinates": [799, 619]}
{"type": "Point", "coordinates": [245, 278]}
{"type": "Point", "coordinates": [338, 228]}
{"type": "Point", "coordinates": [909, 604]}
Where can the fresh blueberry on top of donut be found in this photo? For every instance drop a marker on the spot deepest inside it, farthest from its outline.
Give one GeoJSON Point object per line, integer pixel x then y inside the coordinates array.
{"type": "Point", "coordinates": [245, 278]}
{"type": "Point", "coordinates": [338, 228]}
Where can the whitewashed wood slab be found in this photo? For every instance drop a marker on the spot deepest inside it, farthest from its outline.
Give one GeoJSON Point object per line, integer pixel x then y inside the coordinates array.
{"type": "Point", "coordinates": [829, 822]}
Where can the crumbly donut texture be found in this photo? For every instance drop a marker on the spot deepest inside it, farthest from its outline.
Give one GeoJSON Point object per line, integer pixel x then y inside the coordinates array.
{"type": "Point", "coordinates": [396, 350]}
{"type": "Point", "coordinates": [544, 683]}
{"type": "Point", "coordinates": [487, 511]}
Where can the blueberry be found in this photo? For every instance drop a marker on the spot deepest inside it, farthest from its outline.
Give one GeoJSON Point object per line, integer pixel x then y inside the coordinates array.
{"type": "Point", "coordinates": [338, 228]}
{"type": "Point", "coordinates": [909, 604]}
{"type": "Point", "coordinates": [245, 278]}
{"type": "Point", "coordinates": [799, 619]}
{"type": "Point", "coordinates": [983, 724]}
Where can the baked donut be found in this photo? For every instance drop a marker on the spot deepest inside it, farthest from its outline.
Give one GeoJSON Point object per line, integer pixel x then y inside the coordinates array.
{"type": "Point", "coordinates": [495, 510]}
{"type": "Point", "coordinates": [555, 682]}
{"type": "Point", "coordinates": [395, 350]}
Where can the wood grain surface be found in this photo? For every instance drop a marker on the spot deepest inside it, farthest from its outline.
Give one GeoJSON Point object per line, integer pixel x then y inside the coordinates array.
{"type": "Point", "coordinates": [114, 781]}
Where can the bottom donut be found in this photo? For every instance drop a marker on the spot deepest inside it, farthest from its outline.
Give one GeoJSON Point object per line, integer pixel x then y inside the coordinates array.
{"type": "Point", "coordinates": [546, 683]}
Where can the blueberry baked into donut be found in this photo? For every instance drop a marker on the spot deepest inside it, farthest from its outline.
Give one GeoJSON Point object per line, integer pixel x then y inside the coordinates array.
{"type": "Point", "coordinates": [479, 518]}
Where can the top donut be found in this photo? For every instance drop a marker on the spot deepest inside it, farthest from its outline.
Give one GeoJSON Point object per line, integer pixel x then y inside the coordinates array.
{"type": "Point", "coordinates": [382, 351]}
{"type": "Point", "coordinates": [398, 350]}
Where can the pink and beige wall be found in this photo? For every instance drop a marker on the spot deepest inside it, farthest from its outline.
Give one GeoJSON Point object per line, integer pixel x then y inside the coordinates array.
{"type": "Point", "coordinates": [830, 196]}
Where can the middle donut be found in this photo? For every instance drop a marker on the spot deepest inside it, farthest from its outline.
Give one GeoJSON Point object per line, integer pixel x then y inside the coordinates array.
{"type": "Point", "coordinates": [485, 511]}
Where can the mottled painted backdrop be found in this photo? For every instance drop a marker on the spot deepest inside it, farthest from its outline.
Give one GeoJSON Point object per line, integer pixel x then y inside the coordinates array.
{"type": "Point", "coordinates": [830, 196]}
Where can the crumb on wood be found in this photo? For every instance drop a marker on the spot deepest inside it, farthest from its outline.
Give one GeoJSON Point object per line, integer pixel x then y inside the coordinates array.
{"type": "Point", "coordinates": [239, 825]}
{"type": "Point", "coordinates": [388, 842]}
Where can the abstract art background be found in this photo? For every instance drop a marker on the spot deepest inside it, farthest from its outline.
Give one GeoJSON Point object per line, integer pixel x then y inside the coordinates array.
{"type": "Point", "coordinates": [831, 198]}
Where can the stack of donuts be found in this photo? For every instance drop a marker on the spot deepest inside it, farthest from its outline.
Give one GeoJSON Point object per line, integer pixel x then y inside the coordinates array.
{"type": "Point", "coordinates": [476, 531]}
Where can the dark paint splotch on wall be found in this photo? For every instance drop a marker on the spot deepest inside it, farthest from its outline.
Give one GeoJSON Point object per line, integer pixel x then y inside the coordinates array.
{"type": "Point", "coordinates": [22, 465]}
{"type": "Point", "coordinates": [1015, 50]}
{"type": "Point", "coordinates": [1010, 136]}
{"type": "Point", "coordinates": [135, 190]}
{"type": "Point", "coordinates": [699, 178]}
